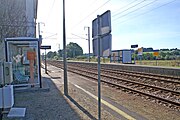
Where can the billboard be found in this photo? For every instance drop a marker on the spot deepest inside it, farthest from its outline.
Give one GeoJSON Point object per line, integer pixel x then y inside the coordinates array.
{"type": "Point", "coordinates": [105, 44]}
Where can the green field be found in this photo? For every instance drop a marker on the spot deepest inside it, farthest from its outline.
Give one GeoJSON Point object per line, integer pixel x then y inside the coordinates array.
{"type": "Point", "coordinates": [168, 63]}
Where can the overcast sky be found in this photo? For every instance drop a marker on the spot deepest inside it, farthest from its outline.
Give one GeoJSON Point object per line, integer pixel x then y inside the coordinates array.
{"type": "Point", "coordinates": [148, 23]}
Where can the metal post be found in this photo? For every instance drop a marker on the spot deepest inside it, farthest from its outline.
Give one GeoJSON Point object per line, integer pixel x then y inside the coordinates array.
{"type": "Point", "coordinates": [134, 57]}
{"type": "Point", "coordinates": [64, 50]}
{"type": "Point", "coordinates": [45, 63]}
{"type": "Point", "coordinates": [156, 60]}
{"type": "Point", "coordinates": [99, 69]}
{"type": "Point", "coordinates": [39, 61]}
{"type": "Point", "coordinates": [89, 41]}
{"type": "Point", "coordinates": [39, 45]}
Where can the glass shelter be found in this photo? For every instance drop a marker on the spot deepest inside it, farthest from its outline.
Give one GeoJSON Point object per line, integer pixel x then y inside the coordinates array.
{"type": "Point", "coordinates": [24, 53]}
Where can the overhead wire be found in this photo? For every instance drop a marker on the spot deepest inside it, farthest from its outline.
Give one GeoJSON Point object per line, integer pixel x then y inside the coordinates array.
{"type": "Point", "coordinates": [129, 8]}
{"type": "Point", "coordinates": [136, 10]}
{"type": "Point", "coordinates": [147, 12]}
{"type": "Point", "coordinates": [50, 11]}
{"type": "Point", "coordinates": [79, 36]}
{"type": "Point", "coordinates": [92, 13]}
{"type": "Point", "coordinates": [124, 7]}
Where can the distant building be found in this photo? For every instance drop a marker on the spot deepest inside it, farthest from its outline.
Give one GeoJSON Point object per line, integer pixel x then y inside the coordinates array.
{"type": "Point", "coordinates": [17, 19]}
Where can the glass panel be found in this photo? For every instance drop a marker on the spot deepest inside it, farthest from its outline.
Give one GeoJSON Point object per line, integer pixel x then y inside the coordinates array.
{"type": "Point", "coordinates": [24, 58]}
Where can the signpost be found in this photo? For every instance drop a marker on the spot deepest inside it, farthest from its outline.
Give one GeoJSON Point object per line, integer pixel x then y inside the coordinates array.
{"type": "Point", "coordinates": [45, 47]}
{"type": "Point", "coordinates": [101, 27]}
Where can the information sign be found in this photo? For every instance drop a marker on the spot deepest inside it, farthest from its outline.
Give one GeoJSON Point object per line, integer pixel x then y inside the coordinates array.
{"type": "Point", "coordinates": [156, 54]}
{"type": "Point", "coordinates": [134, 46]}
{"type": "Point", "coordinates": [46, 47]}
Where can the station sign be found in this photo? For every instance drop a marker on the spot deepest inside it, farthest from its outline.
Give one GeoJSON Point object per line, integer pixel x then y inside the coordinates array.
{"type": "Point", "coordinates": [134, 46]}
{"type": "Point", "coordinates": [46, 47]}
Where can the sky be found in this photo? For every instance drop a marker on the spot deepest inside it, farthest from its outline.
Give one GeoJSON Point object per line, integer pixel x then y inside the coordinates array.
{"type": "Point", "coordinates": [148, 23]}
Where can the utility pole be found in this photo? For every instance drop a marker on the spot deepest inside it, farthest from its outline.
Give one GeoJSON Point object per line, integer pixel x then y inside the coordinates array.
{"type": "Point", "coordinates": [88, 42]}
{"type": "Point", "coordinates": [39, 45]}
{"type": "Point", "coordinates": [64, 50]}
{"type": "Point", "coordinates": [39, 31]}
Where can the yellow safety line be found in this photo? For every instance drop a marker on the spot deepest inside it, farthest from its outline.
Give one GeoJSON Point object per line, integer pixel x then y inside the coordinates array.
{"type": "Point", "coordinates": [108, 104]}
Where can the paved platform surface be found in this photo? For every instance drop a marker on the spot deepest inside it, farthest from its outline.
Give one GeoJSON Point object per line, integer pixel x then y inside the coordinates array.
{"type": "Point", "coordinates": [46, 103]}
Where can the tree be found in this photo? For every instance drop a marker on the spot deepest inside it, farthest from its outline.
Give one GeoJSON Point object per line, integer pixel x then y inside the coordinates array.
{"type": "Point", "coordinates": [148, 49]}
{"type": "Point", "coordinates": [51, 54]}
{"type": "Point", "coordinates": [73, 50]}
{"type": "Point", "coordinates": [60, 53]}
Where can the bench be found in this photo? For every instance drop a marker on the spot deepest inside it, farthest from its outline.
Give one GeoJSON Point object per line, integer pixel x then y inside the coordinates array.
{"type": "Point", "coordinates": [19, 77]}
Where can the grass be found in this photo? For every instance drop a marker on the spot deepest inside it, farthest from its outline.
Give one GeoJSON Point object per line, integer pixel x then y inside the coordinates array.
{"type": "Point", "coordinates": [167, 63]}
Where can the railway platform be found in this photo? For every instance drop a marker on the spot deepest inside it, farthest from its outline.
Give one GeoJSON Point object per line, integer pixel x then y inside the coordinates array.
{"type": "Point", "coordinates": [46, 103]}
{"type": "Point", "coordinates": [50, 103]}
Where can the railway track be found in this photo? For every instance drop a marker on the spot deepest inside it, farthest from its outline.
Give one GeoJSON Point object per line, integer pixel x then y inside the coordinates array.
{"type": "Point", "coordinates": [146, 79]}
{"type": "Point", "coordinates": [158, 88]}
